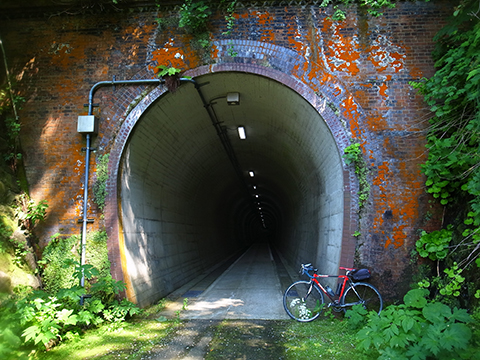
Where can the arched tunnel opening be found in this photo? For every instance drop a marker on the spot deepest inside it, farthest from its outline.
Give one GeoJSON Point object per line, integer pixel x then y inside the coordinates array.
{"type": "Point", "coordinates": [183, 206]}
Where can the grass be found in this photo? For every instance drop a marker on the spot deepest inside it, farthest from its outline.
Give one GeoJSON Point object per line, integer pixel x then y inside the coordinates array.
{"type": "Point", "coordinates": [135, 340]}
{"type": "Point", "coordinates": [142, 336]}
{"type": "Point", "coordinates": [325, 339]}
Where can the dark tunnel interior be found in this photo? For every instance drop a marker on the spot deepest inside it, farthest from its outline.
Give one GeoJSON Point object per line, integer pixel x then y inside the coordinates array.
{"type": "Point", "coordinates": [185, 204]}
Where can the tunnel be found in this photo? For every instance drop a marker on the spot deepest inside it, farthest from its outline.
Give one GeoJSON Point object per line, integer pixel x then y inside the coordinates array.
{"type": "Point", "coordinates": [187, 205]}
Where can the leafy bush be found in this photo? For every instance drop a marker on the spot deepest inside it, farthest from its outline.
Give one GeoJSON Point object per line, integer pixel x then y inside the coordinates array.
{"type": "Point", "coordinates": [11, 343]}
{"type": "Point", "coordinates": [97, 252]}
{"type": "Point", "coordinates": [63, 310]}
{"type": "Point", "coordinates": [51, 319]}
{"type": "Point", "coordinates": [56, 255]}
{"type": "Point", "coordinates": [434, 245]}
{"type": "Point", "coordinates": [46, 318]}
{"type": "Point", "coordinates": [418, 329]}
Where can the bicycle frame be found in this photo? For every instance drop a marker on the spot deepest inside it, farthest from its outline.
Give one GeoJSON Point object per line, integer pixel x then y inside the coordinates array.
{"type": "Point", "coordinates": [338, 295]}
{"type": "Point", "coordinates": [304, 300]}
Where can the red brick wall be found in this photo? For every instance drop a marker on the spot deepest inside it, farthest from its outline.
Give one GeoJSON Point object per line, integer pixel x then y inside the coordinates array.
{"type": "Point", "coordinates": [362, 66]}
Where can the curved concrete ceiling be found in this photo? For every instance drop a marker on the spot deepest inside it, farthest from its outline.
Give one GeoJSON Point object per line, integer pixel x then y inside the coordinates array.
{"type": "Point", "coordinates": [176, 172]}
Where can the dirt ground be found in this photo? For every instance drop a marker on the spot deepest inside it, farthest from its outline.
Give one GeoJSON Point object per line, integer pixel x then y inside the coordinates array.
{"type": "Point", "coordinates": [227, 339]}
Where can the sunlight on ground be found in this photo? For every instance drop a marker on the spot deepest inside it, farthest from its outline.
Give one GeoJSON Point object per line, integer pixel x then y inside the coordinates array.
{"type": "Point", "coordinates": [203, 308]}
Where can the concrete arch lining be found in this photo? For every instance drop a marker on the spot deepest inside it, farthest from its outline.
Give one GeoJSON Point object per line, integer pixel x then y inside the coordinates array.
{"type": "Point", "coordinates": [179, 197]}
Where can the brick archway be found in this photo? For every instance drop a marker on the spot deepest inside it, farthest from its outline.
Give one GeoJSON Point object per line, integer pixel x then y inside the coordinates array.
{"type": "Point", "coordinates": [113, 218]}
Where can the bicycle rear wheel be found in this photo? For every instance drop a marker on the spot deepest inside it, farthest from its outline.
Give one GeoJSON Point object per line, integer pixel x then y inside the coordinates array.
{"type": "Point", "coordinates": [303, 301]}
{"type": "Point", "coordinates": [363, 294]}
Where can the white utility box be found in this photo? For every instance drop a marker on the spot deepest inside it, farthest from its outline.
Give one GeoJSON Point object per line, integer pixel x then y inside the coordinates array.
{"type": "Point", "coordinates": [87, 124]}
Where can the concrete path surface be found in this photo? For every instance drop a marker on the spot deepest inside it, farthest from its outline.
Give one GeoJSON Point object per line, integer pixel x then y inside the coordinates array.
{"type": "Point", "coordinates": [248, 289]}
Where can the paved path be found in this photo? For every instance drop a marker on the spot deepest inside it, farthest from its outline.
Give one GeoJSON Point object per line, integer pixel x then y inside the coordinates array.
{"type": "Point", "coordinates": [248, 289]}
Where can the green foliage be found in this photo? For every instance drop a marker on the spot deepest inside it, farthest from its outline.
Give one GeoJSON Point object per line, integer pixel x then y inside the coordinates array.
{"type": "Point", "coordinates": [24, 215]}
{"type": "Point", "coordinates": [51, 319]}
{"type": "Point", "coordinates": [11, 343]}
{"type": "Point", "coordinates": [455, 281]}
{"type": "Point", "coordinates": [453, 164]}
{"type": "Point", "coordinates": [417, 329]}
{"type": "Point", "coordinates": [353, 155]}
{"type": "Point", "coordinates": [374, 7]}
{"type": "Point", "coordinates": [36, 212]}
{"type": "Point", "coordinates": [46, 318]}
{"type": "Point", "coordinates": [229, 17]}
{"type": "Point", "coordinates": [434, 245]}
{"type": "Point", "coordinates": [106, 288]}
{"type": "Point", "coordinates": [194, 16]}
{"type": "Point", "coordinates": [56, 262]}
{"type": "Point", "coordinates": [167, 71]}
{"type": "Point", "coordinates": [453, 95]}
{"type": "Point", "coordinates": [6, 232]}
{"type": "Point", "coordinates": [356, 316]}
{"type": "Point", "coordinates": [100, 185]}
{"type": "Point", "coordinates": [13, 128]}
{"type": "Point", "coordinates": [29, 213]}
{"type": "Point", "coordinates": [61, 261]}
{"type": "Point", "coordinates": [10, 103]}
{"type": "Point", "coordinates": [97, 252]}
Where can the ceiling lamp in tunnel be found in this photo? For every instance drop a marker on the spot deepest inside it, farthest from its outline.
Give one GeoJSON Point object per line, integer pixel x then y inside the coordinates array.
{"type": "Point", "coordinates": [233, 98]}
{"type": "Point", "coordinates": [251, 173]}
{"type": "Point", "coordinates": [241, 133]}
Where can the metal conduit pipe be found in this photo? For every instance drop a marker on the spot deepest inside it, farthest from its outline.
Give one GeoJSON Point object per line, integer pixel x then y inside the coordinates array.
{"type": "Point", "coordinates": [211, 113]}
{"type": "Point", "coordinates": [87, 156]}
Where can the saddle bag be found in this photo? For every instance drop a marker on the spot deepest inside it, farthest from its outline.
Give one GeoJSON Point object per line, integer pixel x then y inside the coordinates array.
{"type": "Point", "coordinates": [362, 274]}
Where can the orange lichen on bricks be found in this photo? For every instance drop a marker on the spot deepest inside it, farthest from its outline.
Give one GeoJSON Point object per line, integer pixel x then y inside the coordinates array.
{"type": "Point", "coordinates": [403, 203]}
{"type": "Point", "coordinates": [350, 111]}
{"type": "Point", "coordinates": [313, 72]}
{"type": "Point", "coordinates": [382, 90]}
{"type": "Point", "coordinates": [179, 57]}
{"type": "Point", "coordinates": [375, 120]}
{"type": "Point", "coordinates": [266, 22]}
{"type": "Point", "coordinates": [343, 52]}
{"type": "Point", "coordinates": [385, 55]}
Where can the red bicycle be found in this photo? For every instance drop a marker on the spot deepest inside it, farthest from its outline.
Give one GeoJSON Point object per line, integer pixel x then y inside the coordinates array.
{"type": "Point", "coordinates": [304, 300]}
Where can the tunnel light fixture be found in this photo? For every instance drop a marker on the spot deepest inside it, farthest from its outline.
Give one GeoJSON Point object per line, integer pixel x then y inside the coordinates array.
{"type": "Point", "coordinates": [254, 187]}
{"type": "Point", "coordinates": [241, 133]}
{"type": "Point", "coordinates": [251, 173]}
{"type": "Point", "coordinates": [233, 98]}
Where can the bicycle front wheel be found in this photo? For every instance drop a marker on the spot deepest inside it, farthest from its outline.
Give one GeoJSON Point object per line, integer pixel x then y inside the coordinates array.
{"type": "Point", "coordinates": [303, 301]}
{"type": "Point", "coordinates": [363, 294]}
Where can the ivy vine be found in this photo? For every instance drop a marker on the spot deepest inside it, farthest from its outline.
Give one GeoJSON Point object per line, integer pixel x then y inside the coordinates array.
{"type": "Point", "coordinates": [353, 155]}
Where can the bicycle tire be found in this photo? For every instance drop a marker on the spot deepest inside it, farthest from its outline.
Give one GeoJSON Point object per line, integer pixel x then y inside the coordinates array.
{"type": "Point", "coordinates": [300, 306]}
{"type": "Point", "coordinates": [370, 297]}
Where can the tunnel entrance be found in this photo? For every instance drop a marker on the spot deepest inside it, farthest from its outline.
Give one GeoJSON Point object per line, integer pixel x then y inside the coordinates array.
{"type": "Point", "coordinates": [182, 206]}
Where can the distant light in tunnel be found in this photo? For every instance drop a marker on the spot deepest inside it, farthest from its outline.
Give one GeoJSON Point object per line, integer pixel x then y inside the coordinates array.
{"type": "Point", "coordinates": [241, 133]}
{"type": "Point", "coordinates": [254, 186]}
{"type": "Point", "coordinates": [251, 173]}
{"type": "Point", "coordinates": [256, 195]}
